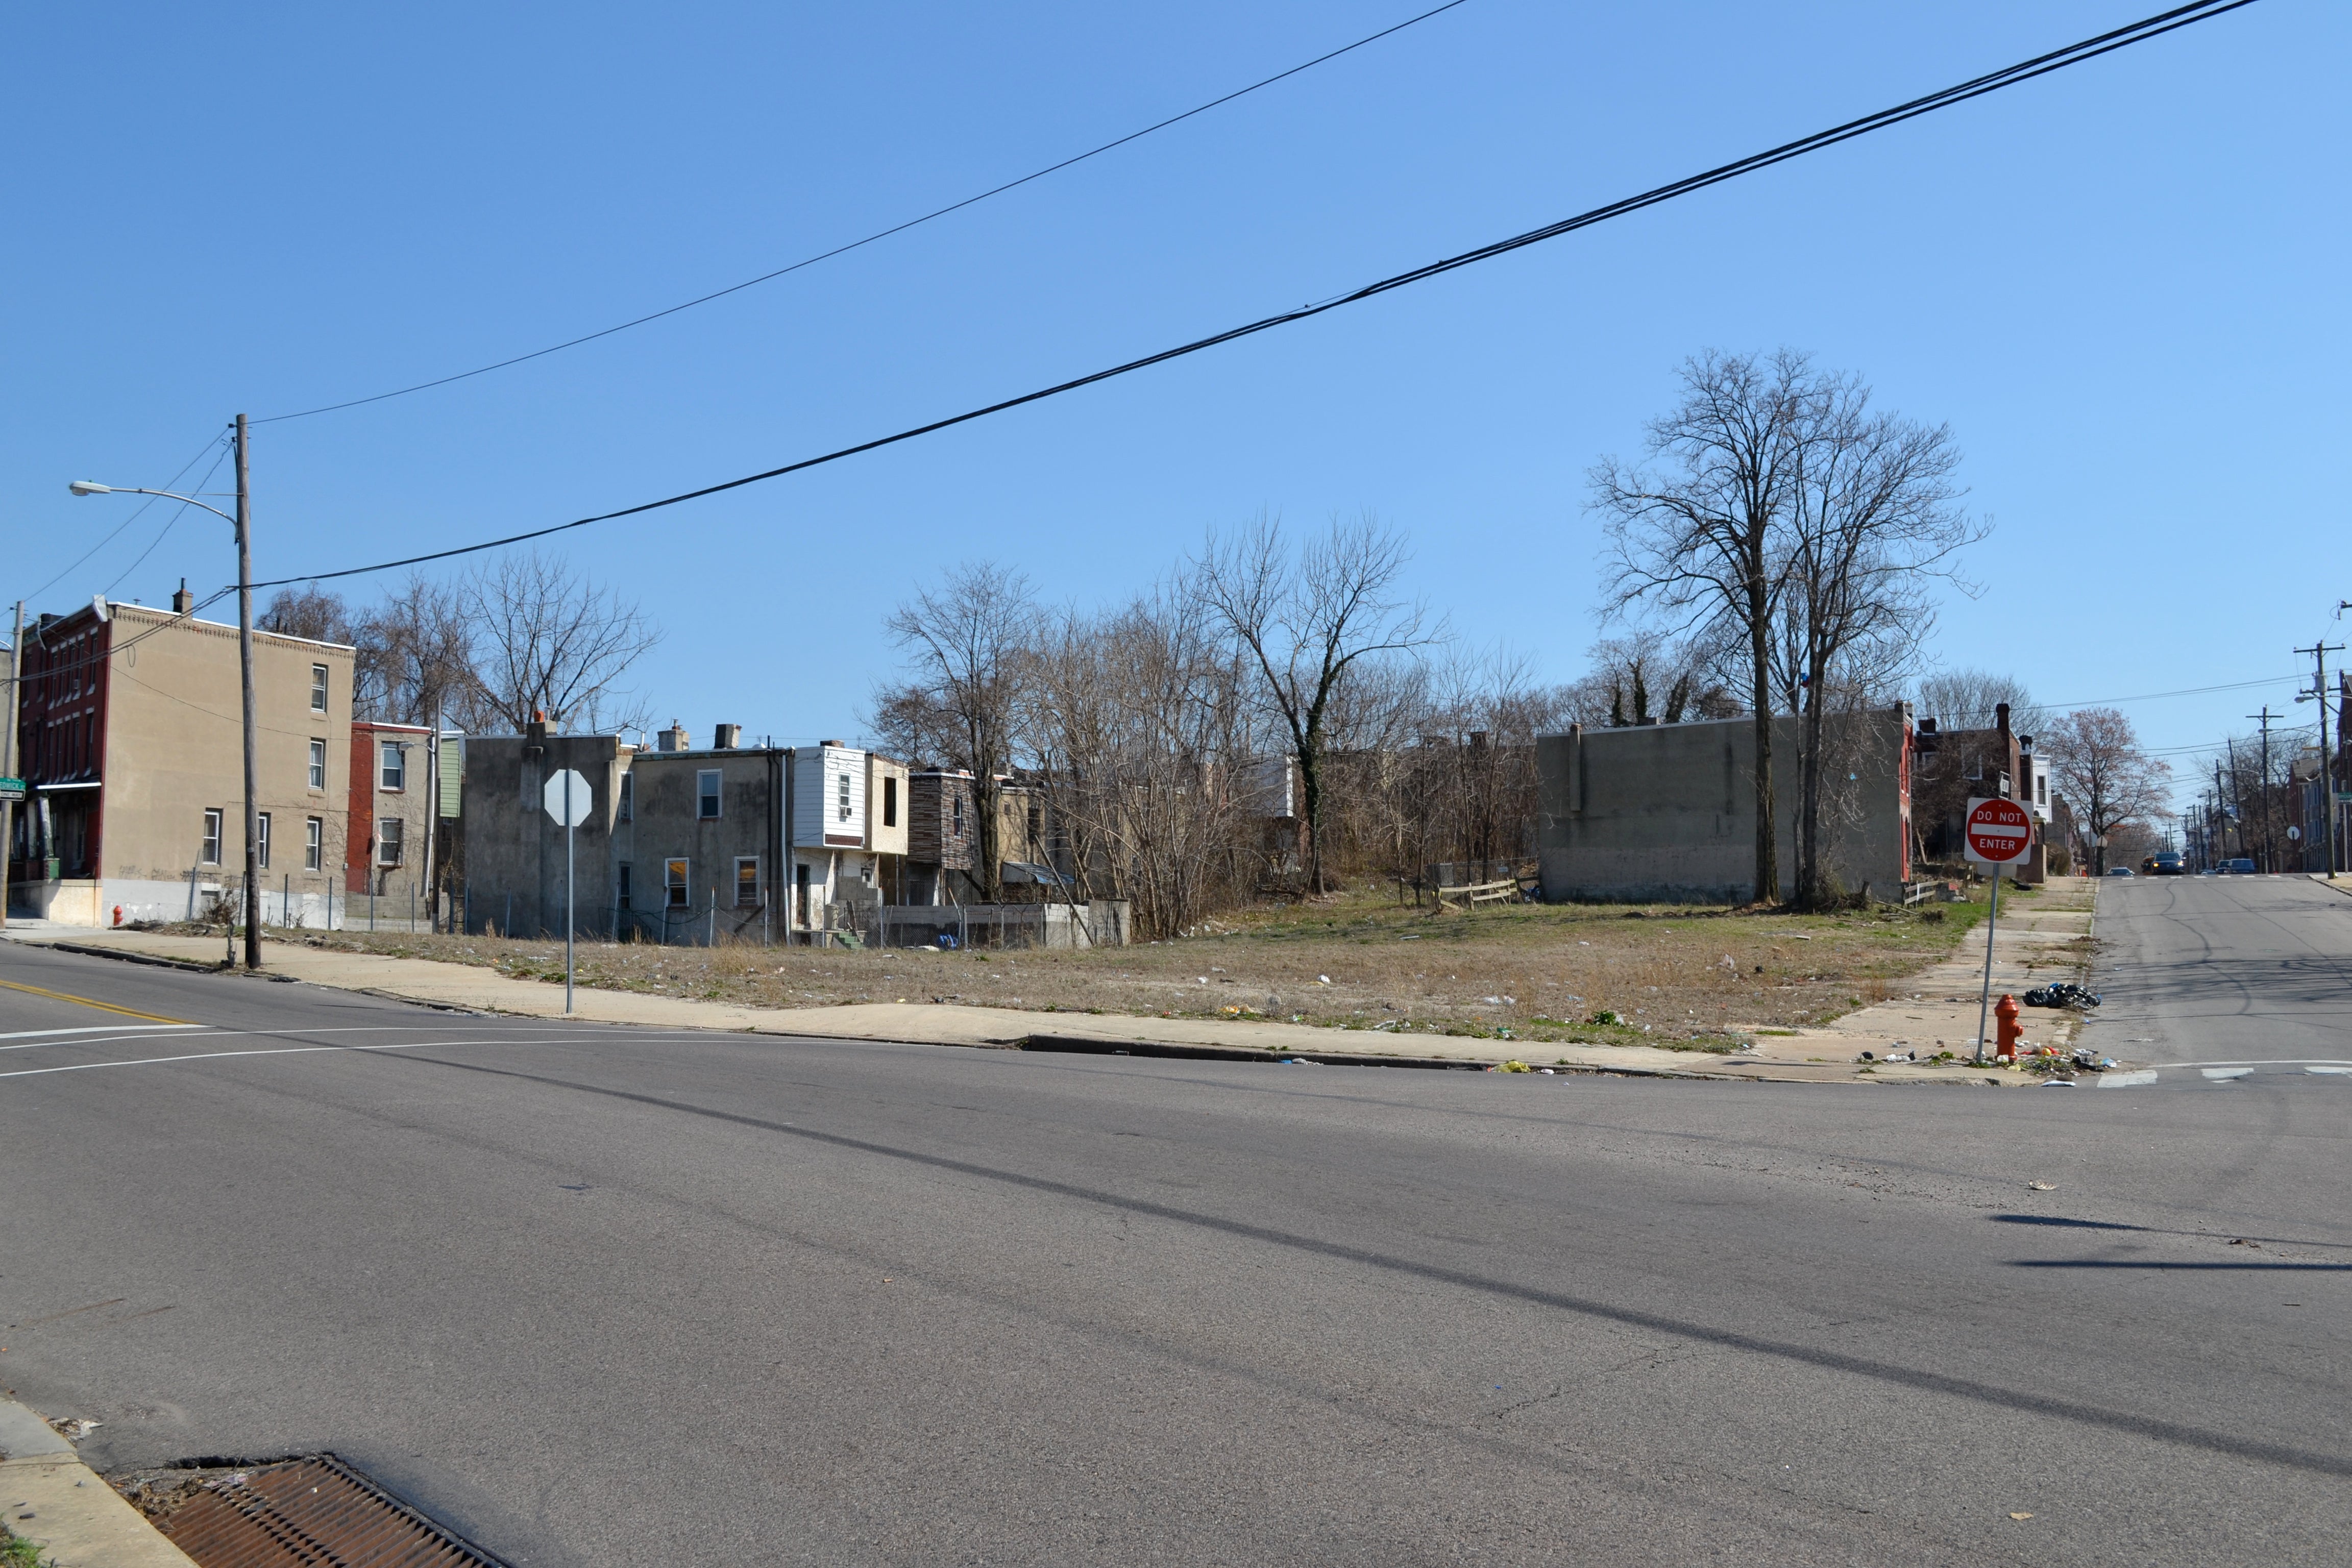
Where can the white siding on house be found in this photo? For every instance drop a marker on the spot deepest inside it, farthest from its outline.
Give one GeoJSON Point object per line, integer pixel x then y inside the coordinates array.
{"type": "Point", "coordinates": [829, 798]}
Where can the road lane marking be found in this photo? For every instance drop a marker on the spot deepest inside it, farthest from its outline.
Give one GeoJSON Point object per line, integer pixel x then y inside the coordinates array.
{"type": "Point", "coordinates": [2329, 1069]}
{"type": "Point", "coordinates": [80, 1038]}
{"type": "Point", "coordinates": [85, 1002]}
{"type": "Point", "coordinates": [2221, 1075]}
{"type": "Point", "coordinates": [91, 1029]}
{"type": "Point", "coordinates": [294, 1051]}
{"type": "Point", "coordinates": [2126, 1080]}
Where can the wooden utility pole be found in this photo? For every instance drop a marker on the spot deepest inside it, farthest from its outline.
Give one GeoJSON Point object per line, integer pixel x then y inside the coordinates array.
{"type": "Point", "coordinates": [8, 760]}
{"type": "Point", "coordinates": [245, 662]}
{"type": "Point", "coordinates": [2269, 861]}
{"type": "Point", "coordinates": [2319, 651]}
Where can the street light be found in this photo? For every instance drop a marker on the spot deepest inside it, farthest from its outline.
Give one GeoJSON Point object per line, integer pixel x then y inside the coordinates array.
{"type": "Point", "coordinates": [242, 523]}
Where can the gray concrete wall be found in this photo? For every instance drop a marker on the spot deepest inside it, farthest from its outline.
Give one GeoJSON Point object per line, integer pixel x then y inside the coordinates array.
{"type": "Point", "coordinates": [1667, 813]}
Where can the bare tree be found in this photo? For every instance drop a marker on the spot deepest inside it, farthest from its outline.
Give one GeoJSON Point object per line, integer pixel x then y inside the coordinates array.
{"type": "Point", "coordinates": [1695, 528]}
{"type": "Point", "coordinates": [1306, 621]}
{"type": "Point", "coordinates": [312, 612]}
{"type": "Point", "coordinates": [1871, 518]}
{"type": "Point", "coordinates": [2097, 761]}
{"type": "Point", "coordinates": [1968, 700]}
{"type": "Point", "coordinates": [417, 659]}
{"type": "Point", "coordinates": [973, 641]}
{"type": "Point", "coordinates": [548, 638]}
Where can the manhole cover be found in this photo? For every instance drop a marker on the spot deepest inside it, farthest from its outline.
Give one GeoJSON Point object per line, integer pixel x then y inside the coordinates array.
{"type": "Point", "coordinates": [310, 1511]}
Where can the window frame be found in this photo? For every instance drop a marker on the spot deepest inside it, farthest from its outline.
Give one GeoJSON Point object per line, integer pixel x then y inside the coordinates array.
{"type": "Point", "coordinates": [318, 677]}
{"type": "Point", "coordinates": [841, 797]}
{"type": "Point", "coordinates": [261, 840]}
{"type": "Point", "coordinates": [626, 810]}
{"type": "Point", "coordinates": [890, 800]}
{"type": "Point", "coordinates": [208, 849]}
{"type": "Point", "coordinates": [391, 834]}
{"type": "Point", "coordinates": [710, 790]}
{"type": "Point", "coordinates": [751, 862]}
{"type": "Point", "coordinates": [678, 882]}
{"type": "Point", "coordinates": [314, 843]}
{"type": "Point", "coordinates": [318, 767]}
{"type": "Point", "coordinates": [392, 767]}
{"type": "Point", "coordinates": [624, 883]}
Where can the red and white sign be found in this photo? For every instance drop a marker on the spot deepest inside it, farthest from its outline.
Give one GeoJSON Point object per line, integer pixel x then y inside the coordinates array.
{"type": "Point", "coordinates": [1999, 831]}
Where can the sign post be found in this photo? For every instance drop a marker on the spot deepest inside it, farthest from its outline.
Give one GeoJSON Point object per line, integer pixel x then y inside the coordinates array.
{"type": "Point", "coordinates": [1999, 834]}
{"type": "Point", "coordinates": [567, 799]}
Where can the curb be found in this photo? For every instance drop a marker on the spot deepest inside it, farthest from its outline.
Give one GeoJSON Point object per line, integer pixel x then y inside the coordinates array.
{"type": "Point", "coordinates": [123, 956]}
{"type": "Point", "coordinates": [64, 1508]}
{"type": "Point", "coordinates": [1077, 1044]}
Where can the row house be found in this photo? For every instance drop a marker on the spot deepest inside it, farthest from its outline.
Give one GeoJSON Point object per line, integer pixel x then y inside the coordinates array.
{"type": "Point", "coordinates": [130, 738]}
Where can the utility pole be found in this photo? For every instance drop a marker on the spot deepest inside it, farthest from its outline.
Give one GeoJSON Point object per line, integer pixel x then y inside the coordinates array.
{"type": "Point", "coordinates": [8, 760]}
{"type": "Point", "coordinates": [2319, 652]}
{"type": "Point", "coordinates": [2268, 862]}
{"type": "Point", "coordinates": [245, 662]}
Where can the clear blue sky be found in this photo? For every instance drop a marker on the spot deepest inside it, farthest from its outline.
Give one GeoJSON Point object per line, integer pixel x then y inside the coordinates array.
{"type": "Point", "coordinates": [2123, 287]}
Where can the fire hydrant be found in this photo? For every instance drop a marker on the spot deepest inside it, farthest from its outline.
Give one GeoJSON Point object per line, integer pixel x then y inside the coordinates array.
{"type": "Point", "coordinates": [2006, 1033]}
{"type": "Point", "coordinates": [118, 914]}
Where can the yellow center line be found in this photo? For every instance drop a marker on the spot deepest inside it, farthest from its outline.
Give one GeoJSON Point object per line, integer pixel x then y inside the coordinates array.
{"type": "Point", "coordinates": [102, 1006]}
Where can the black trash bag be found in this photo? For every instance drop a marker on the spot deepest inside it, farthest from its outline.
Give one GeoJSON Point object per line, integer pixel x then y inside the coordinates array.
{"type": "Point", "coordinates": [2064, 994]}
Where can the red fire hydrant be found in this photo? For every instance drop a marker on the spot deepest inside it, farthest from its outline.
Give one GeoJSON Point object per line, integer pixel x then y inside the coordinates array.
{"type": "Point", "coordinates": [118, 914]}
{"type": "Point", "coordinates": [2005, 1030]}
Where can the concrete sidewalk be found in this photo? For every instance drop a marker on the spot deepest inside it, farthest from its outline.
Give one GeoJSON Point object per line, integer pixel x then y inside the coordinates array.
{"type": "Point", "coordinates": [1826, 1054]}
{"type": "Point", "coordinates": [63, 1507]}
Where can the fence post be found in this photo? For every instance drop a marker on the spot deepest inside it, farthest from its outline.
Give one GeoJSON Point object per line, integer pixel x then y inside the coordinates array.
{"type": "Point", "coordinates": [711, 932]}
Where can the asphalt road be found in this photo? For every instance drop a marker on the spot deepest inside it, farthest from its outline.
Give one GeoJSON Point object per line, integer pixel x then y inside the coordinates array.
{"type": "Point", "coordinates": [2244, 975]}
{"type": "Point", "coordinates": [598, 1295]}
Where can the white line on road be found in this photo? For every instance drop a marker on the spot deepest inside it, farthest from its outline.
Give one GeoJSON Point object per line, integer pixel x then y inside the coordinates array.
{"type": "Point", "coordinates": [292, 1051]}
{"type": "Point", "coordinates": [2223, 1074]}
{"type": "Point", "coordinates": [2125, 1079]}
{"type": "Point", "coordinates": [2347, 1071]}
{"type": "Point", "coordinates": [95, 1030]}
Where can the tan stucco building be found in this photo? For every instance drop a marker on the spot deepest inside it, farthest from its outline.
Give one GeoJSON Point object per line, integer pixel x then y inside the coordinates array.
{"type": "Point", "coordinates": [130, 742]}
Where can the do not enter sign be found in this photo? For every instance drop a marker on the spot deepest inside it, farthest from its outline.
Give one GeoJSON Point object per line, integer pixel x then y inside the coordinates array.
{"type": "Point", "coordinates": [1999, 831]}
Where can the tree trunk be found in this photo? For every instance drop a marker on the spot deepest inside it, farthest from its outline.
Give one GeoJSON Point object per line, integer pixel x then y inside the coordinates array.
{"type": "Point", "coordinates": [1310, 803]}
{"type": "Point", "coordinates": [1767, 856]}
{"type": "Point", "coordinates": [1808, 828]}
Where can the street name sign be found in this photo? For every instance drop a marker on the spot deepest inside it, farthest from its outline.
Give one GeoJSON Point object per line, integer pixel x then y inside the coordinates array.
{"type": "Point", "coordinates": [12, 789]}
{"type": "Point", "coordinates": [580, 802]}
{"type": "Point", "coordinates": [1999, 831]}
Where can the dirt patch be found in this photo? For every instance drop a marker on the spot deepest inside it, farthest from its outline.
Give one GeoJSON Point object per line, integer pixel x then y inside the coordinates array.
{"type": "Point", "coordinates": [1660, 975]}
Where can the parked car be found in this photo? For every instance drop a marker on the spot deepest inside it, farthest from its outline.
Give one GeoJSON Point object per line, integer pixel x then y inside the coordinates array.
{"type": "Point", "coordinates": [2241, 867]}
{"type": "Point", "coordinates": [2119, 870]}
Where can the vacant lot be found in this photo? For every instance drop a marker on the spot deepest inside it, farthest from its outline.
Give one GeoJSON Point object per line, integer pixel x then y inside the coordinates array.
{"type": "Point", "coordinates": [1675, 976]}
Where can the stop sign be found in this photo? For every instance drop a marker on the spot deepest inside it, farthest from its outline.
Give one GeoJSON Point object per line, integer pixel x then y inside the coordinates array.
{"type": "Point", "coordinates": [1999, 831]}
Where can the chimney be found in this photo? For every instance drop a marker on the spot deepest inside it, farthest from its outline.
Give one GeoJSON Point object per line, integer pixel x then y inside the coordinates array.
{"type": "Point", "coordinates": [534, 735]}
{"type": "Point", "coordinates": [726, 737]}
{"type": "Point", "coordinates": [672, 739]}
{"type": "Point", "coordinates": [183, 603]}
{"type": "Point", "coordinates": [2000, 718]}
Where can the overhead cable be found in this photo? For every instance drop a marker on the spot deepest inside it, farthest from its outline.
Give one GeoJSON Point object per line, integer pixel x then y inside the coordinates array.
{"type": "Point", "coordinates": [880, 234]}
{"type": "Point", "coordinates": [1977, 86]}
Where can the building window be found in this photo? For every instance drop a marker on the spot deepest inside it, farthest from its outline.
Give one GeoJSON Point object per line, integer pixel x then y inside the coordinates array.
{"type": "Point", "coordinates": [674, 884]}
{"type": "Point", "coordinates": [393, 760]}
{"type": "Point", "coordinates": [841, 794]}
{"type": "Point", "coordinates": [706, 793]}
{"type": "Point", "coordinates": [314, 842]}
{"type": "Point", "coordinates": [627, 810]}
{"type": "Point", "coordinates": [959, 816]}
{"type": "Point", "coordinates": [210, 854]}
{"type": "Point", "coordinates": [261, 839]}
{"type": "Point", "coordinates": [318, 689]}
{"type": "Point", "coordinates": [318, 765]}
{"type": "Point", "coordinates": [388, 837]}
{"type": "Point", "coordinates": [890, 803]}
{"type": "Point", "coordinates": [621, 881]}
{"type": "Point", "coordinates": [747, 881]}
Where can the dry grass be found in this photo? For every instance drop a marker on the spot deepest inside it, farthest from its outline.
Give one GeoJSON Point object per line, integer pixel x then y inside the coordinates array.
{"type": "Point", "coordinates": [1681, 976]}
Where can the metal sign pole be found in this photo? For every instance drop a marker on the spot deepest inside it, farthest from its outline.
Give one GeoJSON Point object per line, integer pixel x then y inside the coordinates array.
{"type": "Point", "coordinates": [570, 924]}
{"type": "Point", "coordinates": [1984, 1002]}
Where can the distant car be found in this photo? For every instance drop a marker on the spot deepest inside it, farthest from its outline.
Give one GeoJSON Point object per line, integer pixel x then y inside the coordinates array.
{"type": "Point", "coordinates": [2241, 867]}
{"type": "Point", "coordinates": [2168, 863]}
{"type": "Point", "coordinates": [2119, 870]}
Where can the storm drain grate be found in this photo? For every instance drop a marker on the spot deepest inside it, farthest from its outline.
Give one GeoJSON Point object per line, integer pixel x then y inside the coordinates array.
{"type": "Point", "coordinates": [315, 1511]}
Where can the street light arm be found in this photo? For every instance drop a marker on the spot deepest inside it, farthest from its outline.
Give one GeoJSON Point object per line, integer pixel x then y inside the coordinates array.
{"type": "Point", "coordinates": [84, 487]}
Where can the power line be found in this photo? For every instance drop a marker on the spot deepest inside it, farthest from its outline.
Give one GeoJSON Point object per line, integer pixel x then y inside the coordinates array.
{"type": "Point", "coordinates": [2184, 691]}
{"type": "Point", "coordinates": [163, 533]}
{"type": "Point", "coordinates": [127, 521]}
{"type": "Point", "coordinates": [880, 234]}
{"type": "Point", "coordinates": [1977, 86]}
